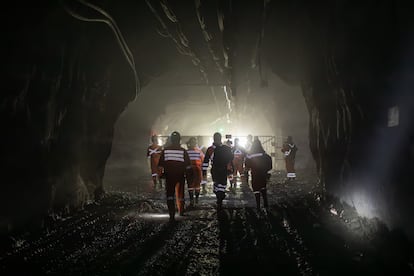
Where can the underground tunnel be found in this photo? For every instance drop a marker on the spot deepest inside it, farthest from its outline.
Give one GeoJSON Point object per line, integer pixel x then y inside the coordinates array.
{"type": "Point", "coordinates": [87, 83]}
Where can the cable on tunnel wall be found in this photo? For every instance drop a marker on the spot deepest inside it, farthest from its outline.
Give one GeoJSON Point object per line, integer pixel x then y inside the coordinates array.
{"type": "Point", "coordinates": [183, 44]}
{"type": "Point", "coordinates": [118, 34]}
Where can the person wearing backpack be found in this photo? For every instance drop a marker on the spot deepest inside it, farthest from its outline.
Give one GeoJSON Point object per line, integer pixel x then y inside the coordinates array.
{"type": "Point", "coordinates": [259, 163]}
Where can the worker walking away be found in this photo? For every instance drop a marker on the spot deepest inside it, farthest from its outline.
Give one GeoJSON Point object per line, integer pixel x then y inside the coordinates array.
{"type": "Point", "coordinates": [239, 155]}
{"type": "Point", "coordinates": [249, 143]}
{"type": "Point", "coordinates": [230, 166]}
{"type": "Point", "coordinates": [289, 150]}
{"type": "Point", "coordinates": [154, 154]}
{"type": "Point", "coordinates": [175, 163]}
{"type": "Point", "coordinates": [220, 157]}
{"type": "Point", "coordinates": [195, 177]}
{"type": "Point", "coordinates": [260, 163]}
{"type": "Point", "coordinates": [205, 167]}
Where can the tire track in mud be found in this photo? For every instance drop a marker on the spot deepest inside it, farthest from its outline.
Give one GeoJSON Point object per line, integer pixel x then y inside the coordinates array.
{"type": "Point", "coordinates": [106, 250]}
{"type": "Point", "coordinates": [56, 243]}
{"type": "Point", "coordinates": [193, 248]}
{"type": "Point", "coordinates": [70, 242]}
{"type": "Point", "coordinates": [250, 244]}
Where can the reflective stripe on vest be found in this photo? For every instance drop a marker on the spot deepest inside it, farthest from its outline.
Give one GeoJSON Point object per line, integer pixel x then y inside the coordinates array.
{"type": "Point", "coordinates": [250, 156]}
{"type": "Point", "coordinates": [152, 151]}
{"type": "Point", "coordinates": [174, 155]}
{"type": "Point", "coordinates": [194, 155]}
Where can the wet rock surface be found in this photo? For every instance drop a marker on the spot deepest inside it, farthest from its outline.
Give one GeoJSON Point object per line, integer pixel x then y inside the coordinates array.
{"type": "Point", "coordinates": [128, 233]}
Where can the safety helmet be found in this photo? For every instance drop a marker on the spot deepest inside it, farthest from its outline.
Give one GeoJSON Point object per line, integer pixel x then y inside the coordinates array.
{"type": "Point", "coordinates": [192, 141]}
{"type": "Point", "coordinates": [175, 137]}
{"type": "Point", "coordinates": [217, 137]}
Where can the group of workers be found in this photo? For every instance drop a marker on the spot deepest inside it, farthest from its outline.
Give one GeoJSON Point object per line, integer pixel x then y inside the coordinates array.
{"type": "Point", "coordinates": [178, 165]}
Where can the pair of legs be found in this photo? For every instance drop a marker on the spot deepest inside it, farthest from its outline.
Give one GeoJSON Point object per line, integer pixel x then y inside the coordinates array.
{"type": "Point", "coordinates": [259, 188]}
{"type": "Point", "coordinates": [156, 174]}
{"type": "Point", "coordinates": [290, 169]}
{"type": "Point", "coordinates": [219, 177]}
{"type": "Point", "coordinates": [219, 190]}
{"type": "Point", "coordinates": [175, 189]}
{"type": "Point", "coordinates": [194, 184]}
{"type": "Point", "coordinates": [257, 194]}
{"type": "Point", "coordinates": [238, 168]}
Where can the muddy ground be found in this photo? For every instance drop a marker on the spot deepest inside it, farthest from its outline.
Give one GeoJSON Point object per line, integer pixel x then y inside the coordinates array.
{"type": "Point", "coordinates": [128, 233]}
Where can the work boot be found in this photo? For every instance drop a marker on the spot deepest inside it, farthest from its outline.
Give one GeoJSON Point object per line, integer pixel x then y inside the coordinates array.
{"type": "Point", "coordinates": [219, 205]}
{"type": "Point", "coordinates": [171, 209]}
{"type": "Point", "coordinates": [264, 195]}
{"type": "Point", "coordinates": [197, 194]}
{"type": "Point", "coordinates": [191, 193]}
{"type": "Point", "coordinates": [257, 196]}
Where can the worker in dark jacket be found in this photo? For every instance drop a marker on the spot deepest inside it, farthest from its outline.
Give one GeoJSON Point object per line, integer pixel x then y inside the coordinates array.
{"type": "Point", "coordinates": [175, 163]}
{"type": "Point", "coordinates": [260, 164]}
{"type": "Point", "coordinates": [221, 158]}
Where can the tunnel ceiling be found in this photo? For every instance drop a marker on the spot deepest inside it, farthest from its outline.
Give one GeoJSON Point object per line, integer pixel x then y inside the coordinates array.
{"type": "Point", "coordinates": [72, 67]}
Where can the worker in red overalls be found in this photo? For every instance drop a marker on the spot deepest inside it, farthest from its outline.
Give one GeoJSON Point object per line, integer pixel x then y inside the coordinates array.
{"type": "Point", "coordinates": [175, 163]}
{"type": "Point", "coordinates": [239, 154]}
{"type": "Point", "coordinates": [154, 154]}
{"type": "Point", "coordinates": [289, 150]}
{"type": "Point", "coordinates": [260, 164]}
{"type": "Point", "coordinates": [194, 179]}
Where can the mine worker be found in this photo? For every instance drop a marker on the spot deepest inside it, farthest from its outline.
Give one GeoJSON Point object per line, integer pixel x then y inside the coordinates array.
{"type": "Point", "coordinates": [239, 154]}
{"type": "Point", "coordinates": [175, 163]}
{"type": "Point", "coordinates": [154, 154]}
{"type": "Point", "coordinates": [289, 150]}
{"type": "Point", "coordinates": [194, 179]}
{"type": "Point", "coordinates": [248, 146]}
{"type": "Point", "coordinates": [229, 143]}
{"type": "Point", "coordinates": [220, 156]}
{"type": "Point", "coordinates": [260, 163]}
{"type": "Point", "coordinates": [230, 166]}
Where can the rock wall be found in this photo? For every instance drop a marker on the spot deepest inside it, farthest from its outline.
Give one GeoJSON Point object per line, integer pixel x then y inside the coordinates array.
{"type": "Point", "coordinates": [353, 65]}
{"type": "Point", "coordinates": [62, 93]}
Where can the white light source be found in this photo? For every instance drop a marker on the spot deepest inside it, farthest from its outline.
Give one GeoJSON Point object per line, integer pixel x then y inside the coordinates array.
{"type": "Point", "coordinates": [242, 140]}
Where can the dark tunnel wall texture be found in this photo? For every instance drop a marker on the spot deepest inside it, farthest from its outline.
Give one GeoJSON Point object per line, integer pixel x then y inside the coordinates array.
{"type": "Point", "coordinates": [63, 92]}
